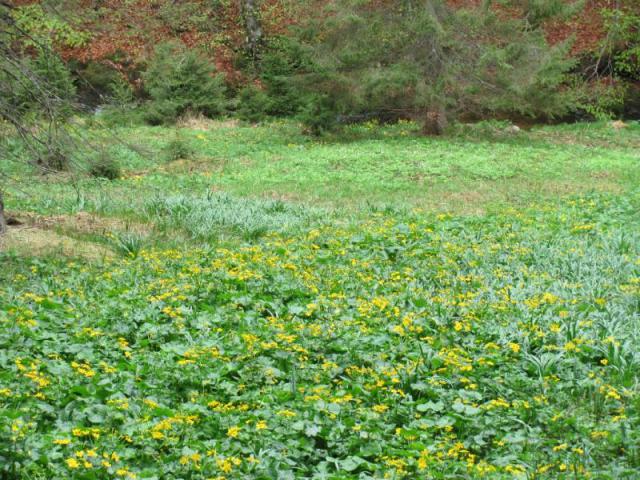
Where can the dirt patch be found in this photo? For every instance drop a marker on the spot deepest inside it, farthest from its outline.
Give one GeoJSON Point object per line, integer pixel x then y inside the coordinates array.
{"type": "Point", "coordinates": [563, 189]}
{"type": "Point", "coordinates": [603, 175]}
{"type": "Point", "coordinates": [465, 202]}
{"type": "Point", "coordinates": [200, 165]}
{"type": "Point", "coordinates": [609, 138]}
{"type": "Point", "coordinates": [33, 241]}
{"type": "Point", "coordinates": [82, 223]}
{"type": "Point", "coordinates": [200, 122]}
{"type": "Point", "coordinates": [282, 196]}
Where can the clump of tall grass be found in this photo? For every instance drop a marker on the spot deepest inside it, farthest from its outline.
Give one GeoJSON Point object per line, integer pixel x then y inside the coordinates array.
{"type": "Point", "coordinates": [206, 217]}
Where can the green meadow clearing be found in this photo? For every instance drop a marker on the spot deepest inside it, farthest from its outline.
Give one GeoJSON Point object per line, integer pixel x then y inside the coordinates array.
{"type": "Point", "coordinates": [251, 303]}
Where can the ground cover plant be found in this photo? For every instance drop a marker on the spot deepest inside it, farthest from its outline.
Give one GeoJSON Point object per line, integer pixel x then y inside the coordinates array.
{"type": "Point", "coordinates": [481, 167]}
{"type": "Point", "coordinates": [233, 335]}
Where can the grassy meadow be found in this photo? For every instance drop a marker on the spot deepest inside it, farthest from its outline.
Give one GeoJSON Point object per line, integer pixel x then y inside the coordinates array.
{"type": "Point", "coordinates": [247, 302]}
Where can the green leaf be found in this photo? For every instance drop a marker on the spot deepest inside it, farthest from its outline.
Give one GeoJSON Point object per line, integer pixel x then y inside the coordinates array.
{"type": "Point", "coordinates": [430, 406]}
{"type": "Point", "coordinates": [351, 464]}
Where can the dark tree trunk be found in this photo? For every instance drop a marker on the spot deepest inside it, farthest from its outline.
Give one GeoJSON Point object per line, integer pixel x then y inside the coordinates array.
{"type": "Point", "coordinates": [253, 28]}
{"type": "Point", "coordinates": [3, 221]}
{"type": "Point", "coordinates": [435, 121]}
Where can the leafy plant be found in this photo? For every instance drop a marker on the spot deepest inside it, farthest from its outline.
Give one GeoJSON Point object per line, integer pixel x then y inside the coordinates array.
{"type": "Point", "coordinates": [400, 344]}
{"type": "Point", "coordinates": [129, 243]}
{"type": "Point", "coordinates": [217, 213]}
{"type": "Point", "coordinates": [622, 43]}
{"type": "Point", "coordinates": [105, 166]}
{"type": "Point", "coordinates": [178, 148]}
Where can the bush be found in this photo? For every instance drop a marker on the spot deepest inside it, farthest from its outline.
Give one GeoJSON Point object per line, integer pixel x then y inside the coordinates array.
{"type": "Point", "coordinates": [282, 60]}
{"type": "Point", "coordinates": [320, 115]}
{"type": "Point", "coordinates": [53, 159]}
{"type": "Point", "coordinates": [180, 81]}
{"type": "Point", "coordinates": [105, 166]}
{"type": "Point", "coordinates": [253, 104]}
{"type": "Point", "coordinates": [622, 43]}
{"type": "Point", "coordinates": [122, 107]}
{"type": "Point", "coordinates": [280, 94]}
{"type": "Point", "coordinates": [177, 149]}
{"type": "Point", "coordinates": [95, 82]}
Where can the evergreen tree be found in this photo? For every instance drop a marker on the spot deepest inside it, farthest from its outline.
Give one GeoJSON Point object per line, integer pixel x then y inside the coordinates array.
{"type": "Point", "coordinates": [425, 59]}
{"type": "Point", "coordinates": [178, 81]}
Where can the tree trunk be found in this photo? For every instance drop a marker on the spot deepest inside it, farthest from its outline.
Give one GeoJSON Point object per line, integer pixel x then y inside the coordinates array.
{"type": "Point", "coordinates": [3, 221]}
{"type": "Point", "coordinates": [253, 28]}
{"type": "Point", "coordinates": [435, 121]}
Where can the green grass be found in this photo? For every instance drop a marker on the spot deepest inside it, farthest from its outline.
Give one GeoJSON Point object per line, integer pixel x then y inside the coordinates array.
{"type": "Point", "coordinates": [467, 173]}
{"type": "Point", "coordinates": [277, 307]}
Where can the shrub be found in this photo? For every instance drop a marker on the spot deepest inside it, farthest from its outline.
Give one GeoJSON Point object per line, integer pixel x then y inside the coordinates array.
{"type": "Point", "coordinates": [53, 159]}
{"type": "Point", "coordinates": [622, 43]}
{"type": "Point", "coordinates": [105, 166]}
{"type": "Point", "coordinates": [96, 79]}
{"type": "Point", "coordinates": [177, 149]}
{"type": "Point", "coordinates": [320, 115]}
{"type": "Point", "coordinates": [180, 81]}
{"type": "Point", "coordinates": [122, 107]}
{"type": "Point", "coordinates": [283, 58]}
{"type": "Point", "coordinates": [253, 104]}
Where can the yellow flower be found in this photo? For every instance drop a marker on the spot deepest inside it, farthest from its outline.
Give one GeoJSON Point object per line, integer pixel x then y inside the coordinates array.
{"type": "Point", "coordinates": [261, 425]}
{"type": "Point", "coordinates": [233, 431]}
{"type": "Point", "coordinates": [227, 464]}
{"type": "Point", "coordinates": [123, 472]}
{"type": "Point", "coordinates": [515, 348]}
{"type": "Point", "coordinates": [398, 330]}
{"type": "Point", "coordinates": [62, 441]}
{"type": "Point", "coordinates": [422, 461]}
{"type": "Point", "coordinates": [72, 463]}
{"type": "Point", "coordinates": [380, 408]}
{"type": "Point", "coordinates": [287, 413]}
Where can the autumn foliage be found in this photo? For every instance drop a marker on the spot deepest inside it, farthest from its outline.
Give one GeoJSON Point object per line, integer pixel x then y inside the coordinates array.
{"type": "Point", "coordinates": [125, 33]}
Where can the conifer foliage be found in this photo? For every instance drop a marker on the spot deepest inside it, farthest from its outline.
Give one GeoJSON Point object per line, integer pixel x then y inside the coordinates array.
{"type": "Point", "coordinates": [428, 60]}
{"type": "Point", "coordinates": [178, 81]}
